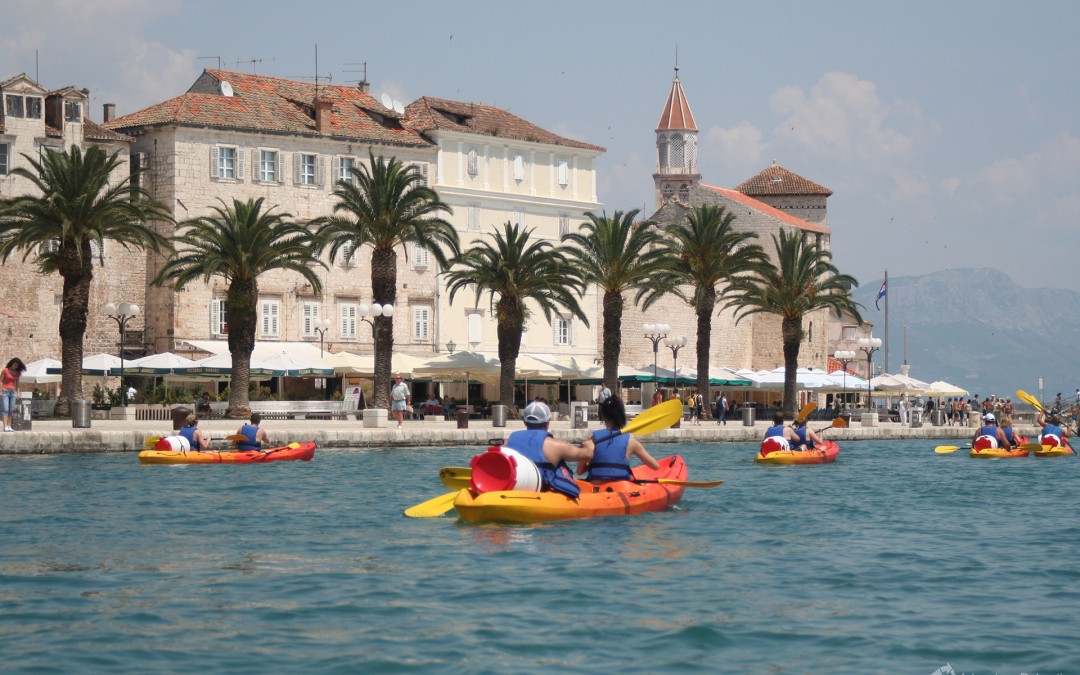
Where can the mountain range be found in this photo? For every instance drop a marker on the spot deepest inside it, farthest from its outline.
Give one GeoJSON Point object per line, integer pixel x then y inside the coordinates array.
{"type": "Point", "coordinates": [978, 329]}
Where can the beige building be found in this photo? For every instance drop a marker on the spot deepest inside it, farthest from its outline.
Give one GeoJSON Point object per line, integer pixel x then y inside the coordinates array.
{"type": "Point", "coordinates": [32, 119]}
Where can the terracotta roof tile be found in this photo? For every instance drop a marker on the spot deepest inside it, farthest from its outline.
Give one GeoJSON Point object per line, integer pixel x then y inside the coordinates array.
{"type": "Point", "coordinates": [676, 114]}
{"type": "Point", "coordinates": [97, 132]}
{"type": "Point", "coordinates": [273, 104]}
{"type": "Point", "coordinates": [770, 211]}
{"type": "Point", "coordinates": [428, 114]}
{"type": "Point", "coordinates": [776, 180]}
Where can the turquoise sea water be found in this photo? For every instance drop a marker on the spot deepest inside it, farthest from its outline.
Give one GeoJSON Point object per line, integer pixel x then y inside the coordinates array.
{"type": "Point", "coordinates": [892, 560]}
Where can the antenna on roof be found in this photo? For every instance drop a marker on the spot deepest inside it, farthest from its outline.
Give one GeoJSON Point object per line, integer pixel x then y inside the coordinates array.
{"type": "Point", "coordinates": [252, 62]}
{"type": "Point", "coordinates": [358, 68]}
{"type": "Point", "coordinates": [203, 58]}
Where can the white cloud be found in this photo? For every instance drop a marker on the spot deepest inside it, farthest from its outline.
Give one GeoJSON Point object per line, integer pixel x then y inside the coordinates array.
{"type": "Point", "coordinates": [909, 186]}
{"type": "Point", "coordinates": [739, 145]}
{"type": "Point", "coordinates": [843, 117]}
{"type": "Point", "coordinates": [1054, 166]}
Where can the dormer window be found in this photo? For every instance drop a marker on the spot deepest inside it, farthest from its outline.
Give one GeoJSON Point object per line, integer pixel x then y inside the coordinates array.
{"type": "Point", "coordinates": [72, 111]}
{"type": "Point", "coordinates": [28, 107]}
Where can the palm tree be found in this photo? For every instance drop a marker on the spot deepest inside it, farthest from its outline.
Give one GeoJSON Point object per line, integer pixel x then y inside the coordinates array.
{"type": "Point", "coordinates": [803, 280]}
{"type": "Point", "coordinates": [81, 202]}
{"type": "Point", "coordinates": [613, 254]}
{"type": "Point", "coordinates": [515, 271]}
{"type": "Point", "coordinates": [704, 252]}
{"type": "Point", "coordinates": [240, 243]}
{"type": "Point", "coordinates": [385, 207]}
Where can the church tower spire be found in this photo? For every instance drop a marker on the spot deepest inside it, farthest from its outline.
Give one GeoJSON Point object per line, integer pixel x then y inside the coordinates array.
{"type": "Point", "coordinates": [676, 148]}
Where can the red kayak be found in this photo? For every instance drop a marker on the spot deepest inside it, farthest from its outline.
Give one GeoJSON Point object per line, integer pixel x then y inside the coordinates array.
{"type": "Point", "coordinates": [285, 453]}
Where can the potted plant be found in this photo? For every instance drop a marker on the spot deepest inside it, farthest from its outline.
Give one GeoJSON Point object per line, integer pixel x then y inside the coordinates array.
{"type": "Point", "coordinates": [99, 398]}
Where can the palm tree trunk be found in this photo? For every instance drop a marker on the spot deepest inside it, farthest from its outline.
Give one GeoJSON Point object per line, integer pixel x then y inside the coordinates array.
{"type": "Point", "coordinates": [384, 290]}
{"type": "Point", "coordinates": [240, 307]}
{"type": "Point", "coordinates": [613, 313]}
{"type": "Point", "coordinates": [73, 312]}
{"type": "Point", "coordinates": [792, 336]}
{"type": "Point", "coordinates": [704, 341]}
{"type": "Point", "coordinates": [508, 329]}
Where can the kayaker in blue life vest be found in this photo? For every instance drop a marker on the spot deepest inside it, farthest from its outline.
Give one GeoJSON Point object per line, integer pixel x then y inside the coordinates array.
{"type": "Point", "coordinates": [1009, 432]}
{"type": "Point", "coordinates": [991, 429]}
{"type": "Point", "coordinates": [611, 450]}
{"type": "Point", "coordinates": [1052, 432]}
{"type": "Point", "coordinates": [781, 430]}
{"type": "Point", "coordinates": [548, 454]}
{"type": "Point", "coordinates": [254, 437]}
{"type": "Point", "coordinates": [193, 434]}
{"type": "Point", "coordinates": [807, 436]}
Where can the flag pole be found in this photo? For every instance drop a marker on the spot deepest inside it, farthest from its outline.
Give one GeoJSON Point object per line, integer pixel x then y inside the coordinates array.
{"type": "Point", "coordinates": [886, 321]}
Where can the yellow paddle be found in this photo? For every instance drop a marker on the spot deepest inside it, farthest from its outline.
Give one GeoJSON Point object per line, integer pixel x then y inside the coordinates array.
{"type": "Point", "coordinates": [838, 423]}
{"type": "Point", "coordinates": [652, 420]}
{"type": "Point", "coordinates": [1031, 400]}
{"type": "Point", "coordinates": [806, 411]}
{"type": "Point", "coordinates": [458, 478]}
{"type": "Point", "coordinates": [946, 449]}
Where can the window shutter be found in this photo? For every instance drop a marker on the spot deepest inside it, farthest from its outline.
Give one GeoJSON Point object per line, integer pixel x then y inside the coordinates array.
{"type": "Point", "coordinates": [573, 332]}
{"type": "Point", "coordinates": [320, 171]}
{"type": "Point", "coordinates": [296, 167]}
{"type": "Point", "coordinates": [556, 325]}
{"type": "Point", "coordinates": [215, 317]}
{"type": "Point", "coordinates": [336, 167]}
{"type": "Point", "coordinates": [256, 165]}
{"type": "Point", "coordinates": [283, 169]}
{"type": "Point", "coordinates": [348, 321]}
{"type": "Point", "coordinates": [476, 328]}
{"type": "Point", "coordinates": [215, 161]}
{"type": "Point", "coordinates": [241, 160]}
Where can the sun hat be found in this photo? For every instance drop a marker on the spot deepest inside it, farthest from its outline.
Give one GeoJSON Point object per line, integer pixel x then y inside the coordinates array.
{"type": "Point", "coordinates": [989, 417]}
{"type": "Point", "coordinates": [537, 413]}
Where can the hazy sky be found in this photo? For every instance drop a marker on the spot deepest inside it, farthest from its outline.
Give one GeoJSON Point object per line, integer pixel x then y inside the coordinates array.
{"type": "Point", "coordinates": [948, 131]}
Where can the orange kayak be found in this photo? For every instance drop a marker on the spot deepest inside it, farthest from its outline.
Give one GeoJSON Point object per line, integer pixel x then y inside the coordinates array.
{"type": "Point", "coordinates": [614, 498]}
{"type": "Point", "coordinates": [821, 454]}
{"type": "Point", "coordinates": [291, 452]}
{"type": "Point", "coordinates": [997, 453]}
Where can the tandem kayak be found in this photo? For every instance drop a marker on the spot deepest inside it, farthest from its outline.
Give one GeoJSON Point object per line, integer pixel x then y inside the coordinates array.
{"type": "Point", "coordinates": [614, 498]}
{"type": "Point", "coordinates": [997, 453]}
{"type": "Point", "coordinates": [1054, 451]}
{"type": "Point", "coordinates": [821, 454]}
{"type": "Point", "coordinates": [285, 453]}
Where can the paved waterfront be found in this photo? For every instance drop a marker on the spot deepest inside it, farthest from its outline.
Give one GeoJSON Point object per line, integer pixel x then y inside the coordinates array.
{"type": "Point", "coordinates": [58, 436]}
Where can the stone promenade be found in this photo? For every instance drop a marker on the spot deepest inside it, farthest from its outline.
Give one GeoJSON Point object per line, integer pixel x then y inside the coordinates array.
{"type": "Point", "coordinates": [58, 436]}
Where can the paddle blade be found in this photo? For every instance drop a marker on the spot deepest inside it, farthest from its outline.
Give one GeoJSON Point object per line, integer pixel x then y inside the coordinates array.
{"type": "Point", "coordinates": [655, 418]}
{"type": "Point", "coordinates": [946, 449]}
{"type": "Point", "coordinates": [1032, 447]}
{"type": "Point", "coordinates": [455, 477]}
{"type": "Point", "coordinates": [235, 437]}
{"type": "Point", "coordinates": [432, 507]}
{"type": "Point", "coordinates": [806, 411]}
{"type": "Point", "coordinates": [839, 423]}
{"type": "Point", "coordinates": [151, 441]}
{"type": "Point", "coordinates": [1029, 399]}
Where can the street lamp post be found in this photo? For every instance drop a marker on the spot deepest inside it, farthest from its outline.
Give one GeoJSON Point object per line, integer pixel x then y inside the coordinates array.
{"type": "Point", "coordinates": [321, 327]}
{"type": "Point", "coordinates": [844, 356]}
{"type": "Point", "coordinates": [675, 344]}
{"type": "Point", "coordinates": [376, 310]}
{"type": "Point", "coordinates": [121, 314]}
{"type": "Point", "coordinates": [655, 332]}
{"type": "Point", "coordinates": [869, 346]}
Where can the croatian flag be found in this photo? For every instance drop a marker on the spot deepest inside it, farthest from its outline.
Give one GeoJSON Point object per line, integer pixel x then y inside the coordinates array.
{"type": "Point", "coordinates": [880, 295]}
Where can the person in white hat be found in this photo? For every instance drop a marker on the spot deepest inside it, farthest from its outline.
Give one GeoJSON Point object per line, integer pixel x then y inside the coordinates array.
{"type": "Point", "coordinates": [990, 435]}
{"type": "Point", "coordinates": [548, 454]}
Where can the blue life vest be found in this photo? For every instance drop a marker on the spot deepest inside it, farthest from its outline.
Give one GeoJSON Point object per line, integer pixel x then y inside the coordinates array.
{"type": "Point", "coordinates": [801, 433]}
{"type": "Point", "coordinates": [189, 434]}
{"type": "Point", "coordinates": [1051, 429]}
{"type": "Point", "coordinates": [988, 430]}
{"type": "Point", "coordinates": [778, 430]}
{"type": "Point", "coordinates": [250, 444]}
{"type": "Point", "coordinates": [609, 458]}
{"type": "Point", "coordinates": [530, 442]}
{"type": "Point", "coordinates": [1011, 435]}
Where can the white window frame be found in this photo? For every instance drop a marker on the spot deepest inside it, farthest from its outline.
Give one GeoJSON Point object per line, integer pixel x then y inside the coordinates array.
{"type": "Point", "coordinates": [347, 313]}
{"type": "Point", "coordinates": [344, 166]}
{"type": "Point", "coordinates": [269, 315]}
{"type": "Point", "coordinates": [5, 159]}
{"type": "Point", "coordinates": [474, 217]}
{"type": "Point", "coordinates": [347, 256]}
{"type": "Point", "coordinates": [219, 319]}
{"type": "Point", "coordinates": [219, 162]}
{"type": "Point", "coordinates": [269, 161]}
{"type": "Point", "coordinates": [421, 257]}
{"type": "Point", "coordinates": [564, 331]}
{"type": "Point", "coordinates": [309, 318]}
{"type": "Point", "coordinates": [421, 323]}
{"type": "Point", "coordinates": [564, 224]}
{"type": "Point", "coordinates": [307, 169]}
{"type": "Point", "coordinates": [10, 106]}
{"type": "Point", "coordinates": [50, 246]}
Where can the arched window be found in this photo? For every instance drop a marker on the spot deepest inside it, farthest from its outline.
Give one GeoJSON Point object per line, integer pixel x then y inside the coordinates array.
{"type": "Point", "coordinates": [691, 154]}
{"type": "Point", "coordinates": [662, 152]}
{"type": "Point", "coordinates": [684, 193]}
{"type": "Point", "coordinates": [667, 192]}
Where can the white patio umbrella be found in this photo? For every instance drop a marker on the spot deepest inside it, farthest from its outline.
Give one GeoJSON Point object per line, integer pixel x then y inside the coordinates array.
{"type": "Point", "coordinates": [37, 372]}
{"type": "Point", "coordinates": [471, 365]}
{"type": "Point", "coordinates": [155, 364]}
{"type": "Point", "coordinates": [942, 388]}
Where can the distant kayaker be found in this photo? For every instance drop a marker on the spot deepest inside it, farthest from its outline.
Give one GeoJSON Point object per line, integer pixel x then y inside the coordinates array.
{"type": "Point", "coordinates": [807, 436]}
{"type": "Point", "coordinates": [990, 435]}
{"type": "Point", "coordinates": [1008, 431]}
{"type": "Point", "coordinates": [783, 435]}
{"type": "Point", "coordinates": [254, 437]}
{"type": "Point", "coordinates": [193, 434]}
{"type": "Point", "coordinates": [1053, 434]}
{"type": "Point", "coordinates": [548, 454]}
{"type": "Point", "coordinates": [611, 450]}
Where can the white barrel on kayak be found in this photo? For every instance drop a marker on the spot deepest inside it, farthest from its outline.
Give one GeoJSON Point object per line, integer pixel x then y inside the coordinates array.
{"type": "Point", "coordinates": [173, 443]}
{"type": "Point", "coordinates": [501, 468]}
{"type": "Point", "coordinates": [774, 443]}
{"type": "Point", "coordinates": [985, 442]}
{"type": "Point", "coordinates": [1051, 440]}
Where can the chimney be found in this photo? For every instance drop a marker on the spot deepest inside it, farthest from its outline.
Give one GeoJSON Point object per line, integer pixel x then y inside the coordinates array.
{"type": "Point", "coordinates": [109, 113]}
{"type": "Point", "coordinates": [364, 86]}
{"type": "Point", "coordinates": [323, 108]}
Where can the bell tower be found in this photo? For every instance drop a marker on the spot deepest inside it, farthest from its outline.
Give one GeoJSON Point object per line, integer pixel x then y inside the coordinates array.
{"type": "Point", "coordinates": [676, 149]}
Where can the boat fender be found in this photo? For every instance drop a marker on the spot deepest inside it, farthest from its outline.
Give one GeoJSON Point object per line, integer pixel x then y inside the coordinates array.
{"type": "Point", "coordinates": [774, 443]}
{"type": "Point", "coordinates": [1050, 439]}
{"type": "Point", "coordinates": [173, 443]}
{"type": "Point", "coordinates": [502, 468]}
{"type": "Point", "coordinates": [985, 442]}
